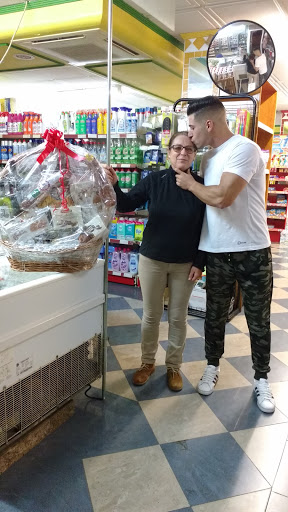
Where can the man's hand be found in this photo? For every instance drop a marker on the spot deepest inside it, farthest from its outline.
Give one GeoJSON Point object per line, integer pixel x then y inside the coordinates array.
{"type": "Point", "coordinates": [110, 173]}
{"type": "Point", "coordinates": [184, 180]}
{"type": "Point", "coordinates": [195, 274]}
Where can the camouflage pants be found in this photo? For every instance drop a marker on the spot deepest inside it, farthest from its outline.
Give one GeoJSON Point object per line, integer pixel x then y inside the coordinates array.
{"type": "Point", "coordinates": [253, 271]}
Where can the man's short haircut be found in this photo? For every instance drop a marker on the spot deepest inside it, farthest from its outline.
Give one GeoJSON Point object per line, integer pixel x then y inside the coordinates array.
{"type": "Point", "coordinates": [205, 106]}
{"type": "Point", "coordinates": [257, 49]}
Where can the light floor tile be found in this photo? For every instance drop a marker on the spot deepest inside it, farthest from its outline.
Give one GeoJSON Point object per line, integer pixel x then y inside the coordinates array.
{"type": "Point", "coordinates": [237, 345]}
{"type": "Point", "coordinates": [117, 383]}
{"type": "Point", "coordinates": [276, 308]}
{"type": "Point", "coordinates": [277, 503]}
{"type": "Point", "coordinates": [229, 376]}
{"type": "Point", "coordinates": [278, 293]}
{"type": "Point", "coordinates": [280, 282]}
{"type": "Point", "coordinates": [180, 417]}
{"type": "Point", "coordinates": [129, 356]}
{"type": "Point", "coordinates": [284, 265]}
{"type": "Point", "coordinates": [138, 304]}
{"type": "Point", "coordinates": [239, 321]}
{"type": "Point", "coordinates": [122, 317]}
{"type": "Point", "coordinates": [163, 332]}
{"type": "Point", "coordinates": [280, 392]}
{"type": "Point", "coordinates": [281, 481]}
{"type": "Point", "coordinates": [252, 502]}
{"type": "Point", "coordinates": [282, 356]}
{"type": "Point", "coordinates": [275, 327]}
{"type": "Point", "coordinates": [282, 273]}
{"type": "Point", "coordinates": [140, 479]}
{"type": "Point", "coordinates": [272, 441]}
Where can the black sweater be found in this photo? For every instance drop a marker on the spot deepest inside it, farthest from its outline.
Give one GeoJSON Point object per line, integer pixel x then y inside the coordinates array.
{"type": "Point", "coordinates": [175, 218]}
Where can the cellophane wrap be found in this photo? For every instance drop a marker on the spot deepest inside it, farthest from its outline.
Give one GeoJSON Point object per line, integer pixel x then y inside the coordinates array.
{"type": "Point", "coordinates": [55, 205]}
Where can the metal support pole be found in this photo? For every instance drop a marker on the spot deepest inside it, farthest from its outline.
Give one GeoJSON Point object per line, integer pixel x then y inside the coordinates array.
{"type": "Point", "coordinates": [108, 145]}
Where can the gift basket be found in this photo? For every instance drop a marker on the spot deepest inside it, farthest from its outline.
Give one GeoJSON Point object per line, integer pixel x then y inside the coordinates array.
{"type": "Point", "coordinates": [55, 207]}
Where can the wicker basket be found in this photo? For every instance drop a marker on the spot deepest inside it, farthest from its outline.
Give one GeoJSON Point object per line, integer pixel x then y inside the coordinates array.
{"type": "Point", "coordinates": [67, 260]}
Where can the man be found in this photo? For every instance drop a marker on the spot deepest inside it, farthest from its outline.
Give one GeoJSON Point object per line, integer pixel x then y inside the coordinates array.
{"type": "Point", "coordinates": [235, 237]}
{"type": "Point", "coordinates": [260, 65]}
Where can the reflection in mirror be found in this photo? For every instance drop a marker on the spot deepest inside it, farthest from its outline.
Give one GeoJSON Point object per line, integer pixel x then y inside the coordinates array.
{"type": "Point", "coordinates": [241, 57]}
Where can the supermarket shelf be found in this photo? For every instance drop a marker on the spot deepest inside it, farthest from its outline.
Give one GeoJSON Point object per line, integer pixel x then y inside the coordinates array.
{"type": "Point", "coordinates": [99, 136]}
{"type": "Point", "coordinates": [275, 229]}
{"type": "Point", "coordinates": [123, 135]}
{"type": "Point", "coordinates": [283, 217]}
{"type": "Point", "coordinates": [138, 213]}
{"type": "Point", "coordinates": [265, 128]}
{"type": "Point", "coordinates": [122, 241]}
{"type": "Point", "coordinates": [20, 136]}
{"type": "Point", "coordinates": [278, 192]}
{"type": "Point", "coordinates": [280, 205]}
{"type": "Point", "coordinates": [121, 274]}
{"type": "Point", "coordinates": [126, 278]}
{"type": "Point", "coordinates": [127, 166]}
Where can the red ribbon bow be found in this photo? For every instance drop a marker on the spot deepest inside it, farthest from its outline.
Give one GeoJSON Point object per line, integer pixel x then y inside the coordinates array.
{"type": "Point", "coordinates": [54, 140]}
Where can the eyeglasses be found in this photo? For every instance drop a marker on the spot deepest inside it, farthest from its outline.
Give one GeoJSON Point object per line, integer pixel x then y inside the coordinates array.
{"type": "Point", "coordinates": [178, 148]}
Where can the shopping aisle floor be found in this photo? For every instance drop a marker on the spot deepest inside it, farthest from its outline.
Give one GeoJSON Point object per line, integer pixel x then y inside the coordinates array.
{"type": "Point", "coordinates": [148, 449]}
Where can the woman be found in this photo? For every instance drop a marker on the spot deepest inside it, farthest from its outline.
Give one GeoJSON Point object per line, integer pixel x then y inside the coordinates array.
{"type": "Point", "coordinates": [169, 255]}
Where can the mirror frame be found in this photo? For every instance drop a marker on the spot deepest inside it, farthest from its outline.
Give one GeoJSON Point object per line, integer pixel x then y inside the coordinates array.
{"type": "Point", "coordinates": [217, 33]}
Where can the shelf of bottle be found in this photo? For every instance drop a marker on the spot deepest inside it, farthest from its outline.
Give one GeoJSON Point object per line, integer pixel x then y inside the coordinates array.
{"type": "Point", "coordinates": [278, 192]}
{"type": "Point", "coordinates": [122, 241]}
{"type": "Point", "coordinates": [282, 217]}
{"type": "Point", "coordinates": [20, 136]}
{"type": "Point", "coordinates": [99, 136]}
{"type": "Point", "coordinates": [127, 166]}
{"type": "Point", "coordinates": [280, 205]}
{"type": "Point", "coordinates": [121, 274]}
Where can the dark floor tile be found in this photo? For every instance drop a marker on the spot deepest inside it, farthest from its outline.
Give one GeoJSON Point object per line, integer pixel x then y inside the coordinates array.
{"type": "Point", "coordinates": [197, 324]}
{"type": "Point", "coordinates": [156, 386]}
{"type": "Point", "coordinates": [278, 373]}
{"type": "Point", "coordinates": [182, 510]}
{"type": "Point", "coordinates": [115, 303]}
{"type": "Point", "coordinates": [278, 266]}
{"type": "Point", "coordinates": [193, 351]}
{"type": "Point", "coordinates": [237, 409]}
{"type": "Point", "coordinates": [212, 468]}
{"type": "Point", "coordinates": [123, 334]}
{"type": "Point", "coordinates": [279, 341]}
{"type": "Point", "coordinates": [282, 302]}
{"type": "Point", "coordinates": [133, 292]}
{"type": "Point", "coordinates": [112, 362]}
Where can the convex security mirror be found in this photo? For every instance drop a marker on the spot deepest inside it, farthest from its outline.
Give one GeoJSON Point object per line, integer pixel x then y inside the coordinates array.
{"type": "Point", "coordinates": [241, 57]}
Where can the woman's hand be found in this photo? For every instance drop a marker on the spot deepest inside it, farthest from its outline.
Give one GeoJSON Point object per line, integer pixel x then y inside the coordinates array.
{"type": "Point", "coordinates": [195, 274]}
{"type": "Point", "coordinates": [110, 173]}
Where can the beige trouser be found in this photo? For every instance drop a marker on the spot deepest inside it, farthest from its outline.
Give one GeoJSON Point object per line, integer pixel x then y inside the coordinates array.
{"type": "Point", "coordinates": [155, 276]}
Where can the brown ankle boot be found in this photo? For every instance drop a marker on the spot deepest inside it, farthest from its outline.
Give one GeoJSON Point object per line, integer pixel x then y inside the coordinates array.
{"type": "Point", "coordinates": [174, 379]}
{"type": "Point", "coordinates": [142, 375]}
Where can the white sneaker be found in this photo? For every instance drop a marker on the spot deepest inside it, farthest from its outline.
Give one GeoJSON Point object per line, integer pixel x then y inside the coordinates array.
{"type": "Point", "coordinates": [208, 380]}
{"type": "Point", "coordinates": [265, 399]}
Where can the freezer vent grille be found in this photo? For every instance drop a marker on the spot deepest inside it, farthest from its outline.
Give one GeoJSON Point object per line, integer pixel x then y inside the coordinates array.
{"type": "Point", "coordinates": [32, 398]}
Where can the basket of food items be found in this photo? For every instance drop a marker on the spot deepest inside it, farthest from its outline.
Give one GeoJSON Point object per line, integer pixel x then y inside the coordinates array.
{"type": "Point", "coordinates": [55, 207]}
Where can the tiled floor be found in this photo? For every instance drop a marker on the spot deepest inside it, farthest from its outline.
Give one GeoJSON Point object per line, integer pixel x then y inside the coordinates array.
{"type": "Point", "coordinates": [150, 450]}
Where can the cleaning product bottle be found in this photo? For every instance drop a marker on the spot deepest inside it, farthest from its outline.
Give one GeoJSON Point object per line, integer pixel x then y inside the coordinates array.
{"type": "Point", "coordinates": [128, 121]}
{"type": "Point", "coordinates": [133, 123]}
{"type": "Point", "coordinates": [112, 152]}
{"type": "Point", "coordinates": [105, 122]}
{"type": "Point", "coordinates": [133, 263]}
{"type": "Point", "coordinates": [94, 123]}
{"type": "Point", "coordinates": [113, 228]}
{"type": "Point", "coordinates": [77, 123]}
{"type": "Point", "coordinates": [128, 181]}
{"type": "Point", "coordinates": [121, 120]}
{"type": "Point", "coordinates": [14, 123]}
{"type": "Point", "coordinates": [89, 123]}
{"type": "Point", "coordinates": [121, 228]}
{"type": "Point", "coordinates": [30, 125]}
{"type": "Point", "coordinates": [129, 229]}
{"type": "Point", "coordinates": [122, 178]}
{"type": "Point", "coordinates": [100, 123]}
{"type": "Point", "coordinates": [135, 177]}
{"type": "Point", "coordinates": [15, 148]}
{"type": "Point", "coordinates": [111, 249]}
{"type": "Point", "coordinates": [139, 228]}
{"type": "Point", "coordinates": [114, 119]}
{"type": "Point", "coordinates": [124, 261]}
{"type": "Point", "coordinates": [20, 127]}
{"type": "Point", "coordinates": [115, 261]}
{"type": "Point", "coordinates": [83, 123]}
{"type": "Point", "coordinates": [125, 152]}
{"type": "Point", "coordinates": [119, 151]}
{"type": "Point", "coordinates": [35, 125]}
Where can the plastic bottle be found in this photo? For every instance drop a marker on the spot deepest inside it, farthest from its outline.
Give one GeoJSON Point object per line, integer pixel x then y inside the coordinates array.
{"type": "Point", "coordinates": [134, 178]}
{"type": "Point", "coordinates": [129, 229]}
{"type": "Point", "coordinates": [133, 263]}
{"type": "Point", "coordinates": [83, 123]}
{"type": "Point", "coordinates": [20, 127]}
{"type": "Point", "coordinates": [115, 261]}
{"type": "Point", "coordinates": [128, 123]}
{"type": "Point", "coordinates": [114, 119]}
{"type": "Point", "coordinates": [126, 152]}
{"type": "Point", "coordinates": [30, 144]}
{"type": "Point", "coordinates": [112, 152]}
{"type": "Point", "coordinates": [15, 148]}
{"type": "Point", "coordinates": [24, 146]}
{"type": "Point", "coordinates": [4, 151]}
{"type": "Point", "coordinates": [67, 122]}
{"type": "Point", "coordinates": [133, 123]}
{"type": "Point", "coordinates": [121, 228]}
{"type": "Point", "coordinates": [14, 123]}
{"type": "Point", "coordinates": [100, 123]}
{"type": "Point", "coordinates": [121, 120]}
{"type": "Point", "coordinates": [77, 122]}
{"type": "Point", "coordinates": [122, 179]}
{"type": "Point", "coordinates": [128, 181]}
{"type": "Point", "coordinates": [132, 152]}
{"type": "Point", "coordinates": [111, 249]}
{"type": "Point", "coordinates": [102, 156]}
{"type": "Point", "coordinates": [89, 123]}
{"type": "Point", "coordinates": [10, 123]}
{"type": "Point", "coordinates": [124, 261]}
{"type": "Point", "coordinates": [35, 125]}
{"type": "Point", "coordinates": [94, 123]}
{"type": "Point", "coordinates": [9, 146]}
{"type": "Point", "coordinates": [105, 122]}
{"type": "Point", "coordinates": [141, 117]}
{"type": "Point", "coordinates": [139, 228]}
{"type": "Point", "coordinates": [113, 228]}
{"type": "Point", "coordinates": [30, 125]}
{"type": "Point", "coordinates": [119, 151]}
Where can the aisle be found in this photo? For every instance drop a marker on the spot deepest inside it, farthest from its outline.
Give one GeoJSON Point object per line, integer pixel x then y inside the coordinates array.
{"type": "Point", "coordinates": [150, 450]}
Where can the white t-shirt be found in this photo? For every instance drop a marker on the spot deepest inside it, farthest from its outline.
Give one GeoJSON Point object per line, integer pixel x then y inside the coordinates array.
{"type": "Point", "coordinates": [243, 225]}
{"type": "Point", "coordinates": [261, 64]}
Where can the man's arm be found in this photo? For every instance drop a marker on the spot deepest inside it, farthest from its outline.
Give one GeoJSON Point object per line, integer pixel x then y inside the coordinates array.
{"type": "Point", "coordinates": [220, 196]}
